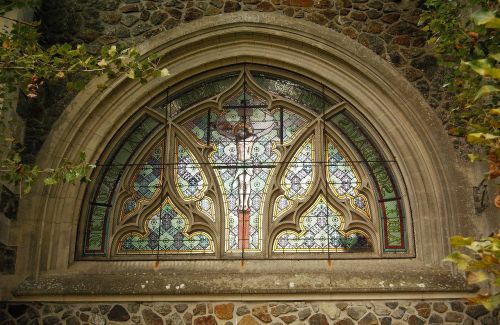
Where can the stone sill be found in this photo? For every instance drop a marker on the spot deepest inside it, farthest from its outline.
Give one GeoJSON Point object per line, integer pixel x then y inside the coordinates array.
{"type": "Point", "coordinates": [244, 286]}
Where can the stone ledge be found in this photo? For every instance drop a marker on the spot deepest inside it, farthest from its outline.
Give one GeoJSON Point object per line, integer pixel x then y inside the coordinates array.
{"type": "Point", "coordinates": [161, 283]}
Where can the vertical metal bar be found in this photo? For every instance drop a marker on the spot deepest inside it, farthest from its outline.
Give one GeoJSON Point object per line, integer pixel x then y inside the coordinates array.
{"type": "Point", "coordinates": [281, 126]}
{"type": "Point", "coordinates": [209, 126]}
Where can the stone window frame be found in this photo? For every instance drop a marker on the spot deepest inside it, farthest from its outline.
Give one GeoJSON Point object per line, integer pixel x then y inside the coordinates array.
{"type": "Point", "coordinates": [435, 184]}
{"type": "Point", "coordinates": [269, 231]}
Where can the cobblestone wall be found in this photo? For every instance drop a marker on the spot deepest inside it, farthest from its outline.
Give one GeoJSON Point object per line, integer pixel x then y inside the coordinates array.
{"type": "Point", "coordinates": [388, 28]}
{"type": "Point", "coordinates": [313, 313]}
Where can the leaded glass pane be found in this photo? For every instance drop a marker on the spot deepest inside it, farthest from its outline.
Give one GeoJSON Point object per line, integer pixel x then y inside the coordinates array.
{"type": "Point", "coordinates": [146, 181]}
{"type": "Point", "coordinates": [244, 157]}
{"type": "Point", "coordinates": [300, 172]}
{"type": "Point", "coordinates": [190, 181]}
{"type": "Point", "coordinates": [393, 224]}
{"type": "Point", "coordinates": [206, 205]}
{"type": "Point", "coordinates": [165, 231]}
{"type": "Point", "coordinates": [113, 170]}
{"type": "Point", "coordinates": [293, 90]}
{"type": "Point", "coordinates": [197, 93]}
{"type": "Point", "coordinates": [321, 230]}
{"type": "Point", "coordinates": [343, 179]}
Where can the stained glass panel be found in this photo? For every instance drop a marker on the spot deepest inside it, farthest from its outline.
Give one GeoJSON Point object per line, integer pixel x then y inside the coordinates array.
{"type": "Point", "coordinates": [244, 157]}
{"type": "Point", "coordinates": [393, 221]}
{"type": "Point", "coordinates": [293, 90]}
{"type": "Point", "coordinates": [343, 179]}
{"type": "Point", "coordinates": [299, 174]}
{"type": "Point", "coordinates": [190, 181]}
{"type": "Point", "coordinates": [281, 205]}
{"type": "Point", "coordinates": [146, 181]}
{"type": "Point", "coordinates": [322, 230]}
{"type": "Point", "coordinates": [197, 93]}
{"type": "Point", "coordinates": [95, 239]}
{"type": "Point", "coordinates": [206, 205]}
{"type": "Point", "coordinates": [165, 231]}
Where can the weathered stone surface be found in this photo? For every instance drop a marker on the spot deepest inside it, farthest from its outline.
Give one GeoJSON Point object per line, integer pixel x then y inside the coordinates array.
{"type": "Point", "coordinates": [242, 310]}
{"type": "Point", "coordinates": [262, 313]}
{"type": "Point", "coordinates": [476, 311]}
{"type": "Point", "coordinates": [299, 3]}
{"type": "Point", "coordinates": [356, 312]}
{"type": "Point", "coordinates": [287, 319]}
{"type": "Point", "coordinates": [368, 319]}
{"type": "Point", "coordinates": [73, 320]}
{"type": "Point", "coordinates": [304, 313]}
{"type": "Point", "coordinates": [423, 309]}
{"type": "Point", "coordinates": [318, 319]}
{"type": "Point", "coordinates": [435, 319]}
{"type": "Point", "coordinates": [163, 309]}
{"type": "Point", "coordinates": [200, 309]}
{"type": "Point", "coordinates": [398, 312]}
{"type": "Point", "coordinates": [439, 307]}
{"type": "Point", "coordinates": [282, 309]}
{"type": "Point", "coordinates": [175, 319]}
{"type": "Point", "coordinates": [330, 310]}
{"type": "Point", "coordinates": [381, 310]}
{"type": "Point", "coordinates": [415, 320]}
{"type": "Point", "coordinates": [374, 43]}
{"type": "Point", "coordinates": [118, 314]}
{"type": "Point", "coordinates": [341, 305]}
{"type": "Point", "coordinates": [457, 306]}
{"type": "Point", "coordinates": [265, 6]}
{"type": "Point", "coordinates": [205, 320]}
{"type": "Point", "coordinates": [248, 320]}
{"type": "Point", "coordinates": [224, 311]}
{"type": "Point", "coordinates": [181, 307]}
{"type": "Point", "coordinates": [50, 320]}
{"type": "Point", "coordinates": [454, 317]}
{"type": "Point", "coordinates": [231, 6]}
{"type": "Point", "coordinates": [386, 321]}
{"type": "Point", "coordinates": [188, 318]}
{"type": "Point", "coordinates": [151, 318]}
{"type": "Point", "coordinates": [192, 14]}
{"type": "Point", "coordinates": [391, 18]}
{"type": "Point", "coordinates": [345, 321]}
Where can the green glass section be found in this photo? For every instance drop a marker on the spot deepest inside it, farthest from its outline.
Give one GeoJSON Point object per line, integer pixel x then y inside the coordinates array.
{"type": "Point", "coordinates": [293, 90]}
{"type": "Point", "coordinates": [96, 222]}
{"type": "Point", "coordinates": [393, 227]}
{"type": "Point", "coordinates": [198, 93]}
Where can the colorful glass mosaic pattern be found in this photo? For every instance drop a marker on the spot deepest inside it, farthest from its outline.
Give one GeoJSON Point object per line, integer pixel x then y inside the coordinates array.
{"type": "Point", "coordinates": [294, 91]}
{"type": "Point", "coordinates": [299, 174]}
{"type": "Point", "coordinates": [197, 93]}
{"type": "Point", "coordinates": [344, 180]}
{"type": "Point", "coordinates": [322, 230]}
{"type": "Point", "coordinates": [165, 231]}
{"type": "Point", "coordinates": [96, 228]}
{"type": "Point", "coordinates": [189, 178]}
{"type": "Point", "coordinates": [393, 220]}
{"type": "Point", "coordinates": [281, 205]}
{"type": "Point", "coordinates": [292, 124]}
{"type": "Point", "coordinates": [244, 155]}
{"type": "Point", "coordinates": [146, 181]}
{"type": "Point", "coordinates": [206, 205]}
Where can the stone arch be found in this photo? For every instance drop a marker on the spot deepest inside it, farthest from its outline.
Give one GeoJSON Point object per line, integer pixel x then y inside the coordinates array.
{"type": "Point", "coordinates": [383, 97]}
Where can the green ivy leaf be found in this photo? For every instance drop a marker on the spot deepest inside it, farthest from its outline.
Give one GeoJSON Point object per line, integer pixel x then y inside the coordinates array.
{"type": "Point", "coordinates": [483, 16]}
{"type": "Point", "coordinates": [50, 181]}
{"type": "Point", "coordinates": [485, 90]}
{"type": "Point", "coordinates": [459, 241]}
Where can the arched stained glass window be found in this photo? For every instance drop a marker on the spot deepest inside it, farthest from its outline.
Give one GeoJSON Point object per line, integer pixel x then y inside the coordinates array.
{"type": "Point", "coordinates": [248, 162]}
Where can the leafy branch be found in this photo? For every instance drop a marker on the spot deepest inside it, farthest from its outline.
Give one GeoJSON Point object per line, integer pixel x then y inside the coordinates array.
{"type": "Point", "coordinates": [27, 66]}
{"type": "Point", "coordinates": [465, 36]}
{"type": "Point", "coordinates": [480, 260]}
